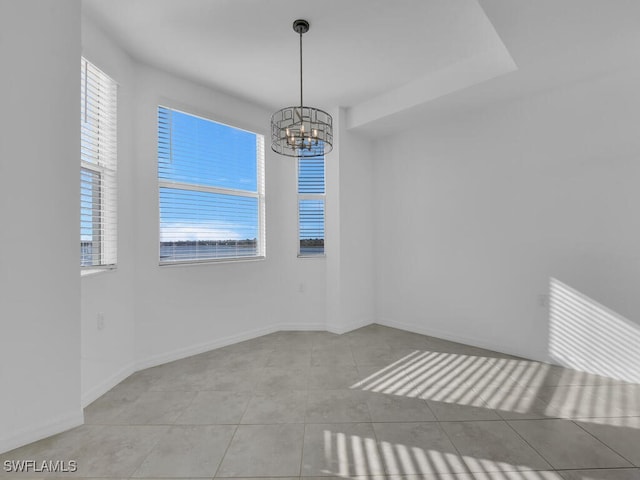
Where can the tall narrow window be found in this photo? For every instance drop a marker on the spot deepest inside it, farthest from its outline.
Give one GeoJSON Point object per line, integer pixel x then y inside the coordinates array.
{"type": "Point", "coordinates": [311, 206]}
{"type": "Point", "coordinates": [211, 180]}
{"type": "Point", "coordinates": [98, 193]}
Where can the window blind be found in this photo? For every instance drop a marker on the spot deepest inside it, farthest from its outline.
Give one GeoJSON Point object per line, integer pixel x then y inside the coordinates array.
{"type": "Point", "coordinates": [98, 161]}
{"type": "Point", "coordinates": [311, 206]}
{"type": "Point", "coordinates": [211, 190]}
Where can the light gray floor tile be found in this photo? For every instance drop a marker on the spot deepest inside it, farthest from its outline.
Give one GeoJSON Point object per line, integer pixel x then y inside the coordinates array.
{"type": "Point", "coordinates": [463, 395]}
{"type": "Point", "coordinates": [452, 411]}
{"type": "Point", "coordinates": [332, 355]}
{"type": "Point", "coordinates": [178, 382]}
{"type": "Point", "coordinates": [411, 386]}
{"type": "Point", "coordinates": [99, 450]}
{"type": "Point", "coordinates": [154, 408]}
{"type": "Point", "coordinates": [546, 375]}
{"type": "Point", "coordinates": [286, 406]}
{"type": "Point", "coordinates": [603, 474]}
{"type": "Point", "coordinates": [622, 434]}
{"type": "Point", "coordinates": [215, 408]}
{"type": "Point", "coordinates": [341, 450]}
{"type": "Point", "coordinates": [337, 406]}
{"type": "Point", "coordinates": [239, 359]}
{"type": "Point", "coordinates": [106, 409]}
{"type": "Point", "coordinates": [417, 448]}
{"type": "Point", "coordinates": [261, 478]}
{"type": "Point", "coordinates": [622, 400]}
{"type": "Point", "coordinates": [492, 446]}
{"type": "Point", "coordinates": [189, 451]}
{"type": "Point", "coordinates": [523, 403]}
{"type": "Point", "coordinates": [329, 340]}
{"type": "Point", "coordinates": [581, 401]}
{"type": "Point", "coordinates": [566, 446]}
{"type": "Point", "coordinates": [332, 378]}
{"type": "Point", "coordinates": [381, 379]}
{"type": "Point", "coordinates": [351, 477]}
{"type": "Point", "coordinates": [573, 401]}
{"type": "Point", "coordinates": [381, 355]}
{"type": "Point", "coordinates": [264, 450]}
{"type": "Point", "coordinates": [297, 339]}
{"type": "Point", "coordinates": [231, 380]}
{"type": "Point", "coordinates": [301, 357]}
{"type": "Point", "coordinates": [282, 378]}
{"type": "Point", "coordinates": [392, 408]}
{"type": "Point", "coordinates": [520, 475]}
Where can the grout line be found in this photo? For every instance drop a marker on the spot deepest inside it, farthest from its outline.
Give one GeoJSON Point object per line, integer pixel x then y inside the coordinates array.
{"type": "Point", "coordinates": [605, 444]}
{"type": "Point", "coordinates": [226, 450]}
{"type": "Point", "coordinates": [304, 434]}
{"type": "Point", "coordinates": [527, 442]}
{"type": "Point", "coordinates": [234, 434]}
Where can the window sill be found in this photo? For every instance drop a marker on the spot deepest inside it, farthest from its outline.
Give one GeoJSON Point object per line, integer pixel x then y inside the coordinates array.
{"type": "Point", "coordinates": [212, 261]}
{"type": "Point", "coordinates": [90, 271]}
{"type": "Point", "coordinates": [323, 256]}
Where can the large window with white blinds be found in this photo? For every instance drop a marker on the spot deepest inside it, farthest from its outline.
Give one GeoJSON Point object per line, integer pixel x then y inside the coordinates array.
{"type": "Point", "coordinates": [311, 206]}
{"type": "Point", "coordinates": [211, 182]}
{"type": "Point", "coordinates": [98, 192]}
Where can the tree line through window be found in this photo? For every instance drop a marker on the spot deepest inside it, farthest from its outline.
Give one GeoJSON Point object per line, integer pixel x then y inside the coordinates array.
{"type": "Point", "coordinates": [211, 189]}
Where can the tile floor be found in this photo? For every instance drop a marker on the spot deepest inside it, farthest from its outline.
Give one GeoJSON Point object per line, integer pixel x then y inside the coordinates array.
{"type": "Point", "coordinates": [376, 403]}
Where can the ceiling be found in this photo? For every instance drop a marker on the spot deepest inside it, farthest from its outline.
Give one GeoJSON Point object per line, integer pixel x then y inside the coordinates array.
{"type": "Point", "coordinates": [388, 62]}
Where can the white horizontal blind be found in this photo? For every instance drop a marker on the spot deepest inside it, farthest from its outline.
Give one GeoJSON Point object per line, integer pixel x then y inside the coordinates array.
{"type": "Point", "coordinates": [311, 206]}
{"type": "Point", "coordinates": [211, 181]}
{"type": "Point", "coordinates": [98, 160]}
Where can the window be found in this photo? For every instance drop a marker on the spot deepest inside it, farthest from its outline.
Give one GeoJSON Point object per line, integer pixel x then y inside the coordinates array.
{"type": "Point", "coordinates": [211, 180]}
{"type": "Point", "coordinates": [98, 202]}
{"type": "Point", "coordinates": [311, 203]}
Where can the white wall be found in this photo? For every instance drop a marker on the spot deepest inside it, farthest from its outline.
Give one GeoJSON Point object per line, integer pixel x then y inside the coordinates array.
{"type": "Point", "coordinates": [155, 314]}
{"type": "Point", "coordinates": [108, 354]}
{"type": "Point", "coordinates": [477, 215]}
{"type": "Point", "coordinates": [349, 230]}
{"type": "Point", "coordinates": [39, 200]}
{"type": "Point", "coordinates": [181, 310]}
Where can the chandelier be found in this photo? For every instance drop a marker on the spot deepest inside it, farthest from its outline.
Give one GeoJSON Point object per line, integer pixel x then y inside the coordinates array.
{"type": "Point", "coordinates": [301, 131]}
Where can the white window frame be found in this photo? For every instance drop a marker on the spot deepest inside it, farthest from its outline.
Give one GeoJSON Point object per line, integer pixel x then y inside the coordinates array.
{"type": "Point", "coordinates": [100, 159]}
{"type": "Point", "coordinates": [259, 195]}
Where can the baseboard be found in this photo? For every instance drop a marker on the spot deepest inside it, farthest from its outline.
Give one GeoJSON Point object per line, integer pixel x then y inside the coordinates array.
{"type": "Point", "coordinates": [344, 328]}
{"type": "Point", "coordinates": [180, 353]}
{"type": "Point", "coordinates": [106, 385]}
{"type": "Point", "coordinates": [33, 434]}
{"type": "Point", "coordinates": [297, 327]}
{"type": "Point", "coordinates": [452, 337]}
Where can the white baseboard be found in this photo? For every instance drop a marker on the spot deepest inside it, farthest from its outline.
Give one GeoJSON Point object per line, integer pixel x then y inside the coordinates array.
{"type": "Point", "coordinates": [35, 433]}
{"type": "Point", "coordinates": [155, 360]}
{"type": "Point", "coordinates": [180, 353]}
{"type": "Point", "coordinates": [106, 385]}
{"type": "Point", "coordinates": [344, 328]}
{"type": "Point", "coordinates": [452, 337]}
{"type": "Point", "coordinates": [297, 327]}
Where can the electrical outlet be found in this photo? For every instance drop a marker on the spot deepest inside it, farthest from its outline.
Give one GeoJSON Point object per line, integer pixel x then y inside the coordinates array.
{"type": "Point", "coordinates": [100, 322]}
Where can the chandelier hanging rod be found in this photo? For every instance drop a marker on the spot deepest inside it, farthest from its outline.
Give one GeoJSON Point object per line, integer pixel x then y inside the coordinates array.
{"type": "Point", "coordinates": [301, 26]}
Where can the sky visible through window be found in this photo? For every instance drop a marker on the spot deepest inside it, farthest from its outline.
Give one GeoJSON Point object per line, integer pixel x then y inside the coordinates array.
{"type": "Point", "coordinates": [196, 155]}
{"type": "Point", "coordinates": [196, 151]}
